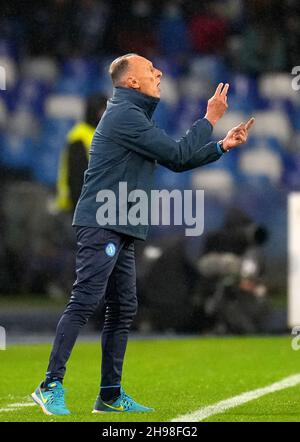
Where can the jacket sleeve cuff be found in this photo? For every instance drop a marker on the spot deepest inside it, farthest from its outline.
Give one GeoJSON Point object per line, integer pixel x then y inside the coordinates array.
{"type": "Point", "coordinates": [219, 150]}
{"type": "Point", "coordinates": [208, 124]}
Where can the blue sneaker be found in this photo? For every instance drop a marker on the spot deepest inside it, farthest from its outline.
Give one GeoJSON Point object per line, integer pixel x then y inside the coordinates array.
{"type": "Point", "coordinates": [51, 399]}
{"type": "Point", "coordinates": [123, 403]}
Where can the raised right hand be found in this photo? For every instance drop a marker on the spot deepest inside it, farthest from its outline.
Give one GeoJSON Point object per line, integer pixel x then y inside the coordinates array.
{"type": "Point", "coordinates": [217, 104]}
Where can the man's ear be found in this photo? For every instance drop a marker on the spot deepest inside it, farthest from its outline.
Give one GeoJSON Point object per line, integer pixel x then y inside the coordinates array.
{"type": "Point", "coordinates": [132, 82]}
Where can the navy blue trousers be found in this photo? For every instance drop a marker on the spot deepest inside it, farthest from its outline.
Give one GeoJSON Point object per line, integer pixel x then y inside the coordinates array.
{"type": "Point", "coordinates": [103, 258]}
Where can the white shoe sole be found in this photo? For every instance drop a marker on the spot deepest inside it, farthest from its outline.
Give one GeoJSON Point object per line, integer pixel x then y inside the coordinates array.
{"type": "Point", "coordinates": [40, 403]}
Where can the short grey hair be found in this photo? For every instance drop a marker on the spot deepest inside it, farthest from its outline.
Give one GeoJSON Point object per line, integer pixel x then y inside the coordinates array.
{"type": "Point", "coordinates": [118, 68]}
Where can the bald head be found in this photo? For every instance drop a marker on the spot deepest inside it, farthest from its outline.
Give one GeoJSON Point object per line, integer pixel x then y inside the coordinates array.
{"type": "Point", "coordinates": [136, 72]}
{"type": "Point", "coordinates": [118, 68]}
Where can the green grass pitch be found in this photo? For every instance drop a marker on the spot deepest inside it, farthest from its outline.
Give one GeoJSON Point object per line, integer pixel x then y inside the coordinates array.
{"type": "Point", "coordinates": [173, 376]}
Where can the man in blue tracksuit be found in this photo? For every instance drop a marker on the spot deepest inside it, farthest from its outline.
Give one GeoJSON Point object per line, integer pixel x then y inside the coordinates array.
{"type": "Point", "coordinates": [126, 148]}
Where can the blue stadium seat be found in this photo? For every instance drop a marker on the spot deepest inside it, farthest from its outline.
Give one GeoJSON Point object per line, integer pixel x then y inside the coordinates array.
{"type": "Point", "coordinates": [272, 123]}
{"type": "Point", "coordinates": [78, 77]}
{"type": "Point", "coordinates": [56, 128]}
{"type": "Point", "coordinates": [229, 120]}
{"type": "Point", "coordinates": [210, 68]}
{"type": "Point", "coordinates": [47, 151]}
{"type": "Point", "coordinates": [72, 86]}
{"type": "Point", "coordinates": [45, 165]}
{"type": "Point", "coordinates": [244, 95]}
{"type": "Point", "coordinates": [30, 94]}
{"type": "Point", "coordinates": [227, 161]}
{"type": "Point", "coordinates": [80, 68]}
{"type": "Point", "coordinates": [218, 183]}
{"type": "Point", "coordinates": [291, 176]}
{"type": "Point", "coordinates": [295, 117]}
{"type": "Point", "coordinates": [261, 164]}
{"type": "Point", "coordinates": [185, 113]}
{"type": "Point", "coordinates": [17, 153]}
{"type": "Point", "coordinates": [277, 86]}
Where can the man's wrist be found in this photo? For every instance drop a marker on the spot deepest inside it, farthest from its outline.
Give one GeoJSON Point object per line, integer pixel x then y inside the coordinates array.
{"type": "Point", "coordinates": [222, 147]}
{"type": "Point", "coordinates": [210, 120]}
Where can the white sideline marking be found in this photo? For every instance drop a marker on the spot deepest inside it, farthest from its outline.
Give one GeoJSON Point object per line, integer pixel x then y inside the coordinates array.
{"type": "Point", "coordinates": [220, 407]}
{"type": "Point", "coordinates": [15, 406]}
{"type": "Point", "coordinates": [22, 404]}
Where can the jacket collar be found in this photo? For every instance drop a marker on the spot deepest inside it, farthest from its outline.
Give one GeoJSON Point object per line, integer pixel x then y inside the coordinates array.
{"type": "Point", "coordinates": [144, 101]}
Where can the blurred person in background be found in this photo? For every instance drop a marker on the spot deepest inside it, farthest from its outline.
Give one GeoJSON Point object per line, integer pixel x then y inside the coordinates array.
{"type": "Point", "coordinates": [53, 243]}
{"type": "Point", "coordinates": [75, 155]}
{"type": "Point", "coordinates": [221, 288]}
{"type": "Point", "coordinates": [90, 23]}
{"type": "Point", "coordinates": [131, 27]}
{"type": "Point", "coordinates": [258, 52]}
{"type": "Point", "coordinates": [292, 29]}
{"type": "Point", "coordinates": [208, 29]}
{"type": "Point", "coordinates": [58, 233]}
{"type": "Point", "coordinates": [232, 275]}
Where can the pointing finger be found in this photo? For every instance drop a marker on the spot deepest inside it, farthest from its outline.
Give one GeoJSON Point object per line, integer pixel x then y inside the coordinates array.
{"type": "Point", "coordinates": [240, 126]}
{"type": "Point", "coordinates": [250, 123]}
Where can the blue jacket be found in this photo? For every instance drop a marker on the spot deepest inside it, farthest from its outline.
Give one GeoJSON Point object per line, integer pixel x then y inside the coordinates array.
{"type": "Point", "coordinates": [126, 147]}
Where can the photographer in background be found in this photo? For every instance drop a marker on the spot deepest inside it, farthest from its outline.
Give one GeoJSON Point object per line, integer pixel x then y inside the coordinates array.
{"type": "Point", "coordinates": [220, 291]}
{"type": "Point", "coordinates": [232, 270]}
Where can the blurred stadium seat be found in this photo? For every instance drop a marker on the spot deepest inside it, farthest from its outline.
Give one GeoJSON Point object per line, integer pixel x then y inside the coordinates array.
{"type": "Point", "coordinates": [64, 106]}
{"type": "Point", "coordinates": [17, 152]}
{"type": "Point", "coordinates": [273, 124]}
{"type": "Point", "coordinates": [215, 182]}
{"type": "Point", "coordinates": [261, 161]}
{"type": "Point", "coordinates": [11, 70]}
{"type": "Point", "coordinates": [3, 112]}
{"type": "Point", "coordinates": [41, 68]}
{"type": "Point", "coordinates": [229, 120]}
{"type": "Point", "coordinates": [278, 86]}
{"type": "Point", "coordinates": [30, 94]}
{"type": "Point", "coordinates": [45, 164]}
{"type": "Point", "coordinates": [23, 124]}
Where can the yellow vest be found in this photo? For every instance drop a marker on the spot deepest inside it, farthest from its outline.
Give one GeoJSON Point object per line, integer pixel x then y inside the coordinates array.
{"type": "Point", "coordinates": [80, 132]}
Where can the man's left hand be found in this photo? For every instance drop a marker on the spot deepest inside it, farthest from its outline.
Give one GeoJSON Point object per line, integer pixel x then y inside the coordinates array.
{"type": "Point", "coordinates": [237, 135]}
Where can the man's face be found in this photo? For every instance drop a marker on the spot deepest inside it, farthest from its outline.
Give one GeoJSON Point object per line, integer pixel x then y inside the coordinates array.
{"type": "Point", "coordinates": [143, 76]}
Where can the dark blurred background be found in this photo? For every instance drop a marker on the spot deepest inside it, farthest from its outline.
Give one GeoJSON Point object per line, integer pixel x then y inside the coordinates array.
{"type": "Point", "coordinates": [232, 279]}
